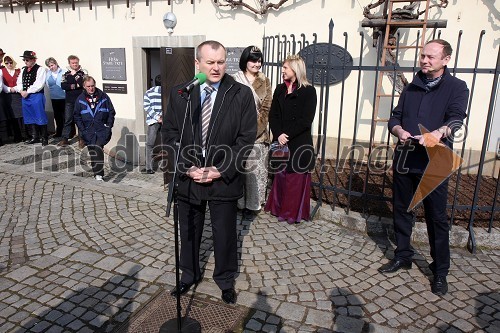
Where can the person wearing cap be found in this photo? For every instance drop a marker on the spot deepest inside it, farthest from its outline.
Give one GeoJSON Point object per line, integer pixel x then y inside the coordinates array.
{"type": "Point", "coordinates": [13, 99]}
{"type": "Point", "coordinates": [30, 85]}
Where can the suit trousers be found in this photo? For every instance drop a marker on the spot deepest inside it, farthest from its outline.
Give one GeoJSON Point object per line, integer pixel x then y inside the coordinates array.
{"type": "Point", "coordinates": [191, 222]}
{"type": "Point", "coordinates": [436, 219]}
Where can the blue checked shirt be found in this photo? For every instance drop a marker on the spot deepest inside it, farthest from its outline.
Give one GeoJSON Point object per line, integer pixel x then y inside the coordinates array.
{"type": "Point", "coordinates": [152, 105]}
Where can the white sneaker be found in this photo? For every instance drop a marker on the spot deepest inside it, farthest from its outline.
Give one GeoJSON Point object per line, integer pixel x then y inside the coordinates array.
{"type": "Point", "coordinates": [98, 177]}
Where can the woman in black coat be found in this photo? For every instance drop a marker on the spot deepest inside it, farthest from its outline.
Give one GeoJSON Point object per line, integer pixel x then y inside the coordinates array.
{"type": "Point", "coordinates": [290, 119]}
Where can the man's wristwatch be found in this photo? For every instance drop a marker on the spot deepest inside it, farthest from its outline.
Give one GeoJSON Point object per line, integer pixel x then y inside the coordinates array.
{"type": "Point", "coordinates": [442, 130]}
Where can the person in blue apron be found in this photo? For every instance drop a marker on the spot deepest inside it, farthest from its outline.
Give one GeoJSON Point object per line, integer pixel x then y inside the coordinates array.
{"type": "Point", "coordinates": [30, 85]}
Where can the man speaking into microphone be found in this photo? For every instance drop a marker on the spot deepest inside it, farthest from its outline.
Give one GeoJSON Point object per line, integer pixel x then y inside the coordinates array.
{"type": "Point", "coordinates": [218, 133]}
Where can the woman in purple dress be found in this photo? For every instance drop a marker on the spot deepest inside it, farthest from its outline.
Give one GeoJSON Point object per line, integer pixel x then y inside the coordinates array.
{"type": "Point", "coordinates": [292, 112]}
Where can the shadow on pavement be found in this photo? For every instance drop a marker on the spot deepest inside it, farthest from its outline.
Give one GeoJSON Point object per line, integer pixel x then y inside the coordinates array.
{"type": "Point", "coordinates": [348, 312]}
{"type": "Point", "coordinates": [261, 318]}
{"type": "Point", "coordinates": [92, 309]}
{"type": "Point", "coordinates": [488, 311]}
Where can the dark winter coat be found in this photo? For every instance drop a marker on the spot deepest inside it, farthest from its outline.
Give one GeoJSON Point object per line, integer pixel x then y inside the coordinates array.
{"type": "Point", "coordinates": [293, 115]}
{"type": "Point", "coordinates": [231, 135]}
{"type": "Point", "coordinates": [443, 104]}
{"type": "Point", "coordinates": [73, 84]}
{"type": "Point", "coordinates": [94, 127]}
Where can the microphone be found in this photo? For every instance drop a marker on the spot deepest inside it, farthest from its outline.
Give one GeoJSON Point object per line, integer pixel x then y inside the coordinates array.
{"type": "Point", "coordinates": [199, 78]}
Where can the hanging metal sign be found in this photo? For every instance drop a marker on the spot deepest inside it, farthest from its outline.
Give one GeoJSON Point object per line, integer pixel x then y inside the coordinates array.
{"type": "Point", "coordinates": [316, 59]}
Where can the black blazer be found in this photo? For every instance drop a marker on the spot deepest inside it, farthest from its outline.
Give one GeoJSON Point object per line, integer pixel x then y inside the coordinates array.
{"type": "Point", "coordinates": [231, 135]}
{"type": "Point", "coordinates": [293, 115]}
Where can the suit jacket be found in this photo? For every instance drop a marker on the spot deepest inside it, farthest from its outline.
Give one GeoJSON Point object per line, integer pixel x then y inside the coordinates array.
{"type": "Point", "coordinates": [231, 135]}
{"type": "Point", "coordinates": [293, 115]}
{"type": "Point", "coordinates": [443, 104]}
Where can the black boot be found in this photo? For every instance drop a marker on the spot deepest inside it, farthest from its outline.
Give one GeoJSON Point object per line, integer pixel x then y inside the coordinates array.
{"type": "Point", "coordinates": [34, 135]}
{"type": "Point", "coordinates": [44, 134]}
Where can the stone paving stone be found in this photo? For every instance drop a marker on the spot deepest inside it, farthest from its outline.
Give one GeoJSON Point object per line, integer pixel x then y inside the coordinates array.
{"type": "Point", "coordinates": [319, 318]}
{"type": "Point", "coordinates": [21, 273]}
{"type": "Point", "coordinates": [64, 251]}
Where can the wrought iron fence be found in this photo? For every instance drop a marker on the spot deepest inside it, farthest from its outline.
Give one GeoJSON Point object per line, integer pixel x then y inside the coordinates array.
{"type": "Point", "coordinates": [348, 178]}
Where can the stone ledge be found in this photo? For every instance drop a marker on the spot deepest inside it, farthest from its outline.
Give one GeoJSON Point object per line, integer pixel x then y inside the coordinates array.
{"type": "Point", "coordinates": [373, 225]}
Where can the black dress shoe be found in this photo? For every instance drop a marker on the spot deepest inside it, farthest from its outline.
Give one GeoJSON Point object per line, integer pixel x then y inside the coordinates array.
{"type": "Point", "coordinates": [32, 141]}
{"type": "Point", "coordinates": [439, 285]}
{"type": "Point", "coordinates": [394, 266]}
{"type": "Point", "coordinates": [183, 288]}
{"type": "Point", "coordinates": [147, 171]}
{"type": "Point", "coordinates": [229, 296]}
{"type": "Point", "coordinates": [249, 214]}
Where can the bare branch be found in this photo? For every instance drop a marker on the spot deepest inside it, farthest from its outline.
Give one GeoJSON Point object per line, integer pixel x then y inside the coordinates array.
{"type": "Point", "coordinates": [265, 5]}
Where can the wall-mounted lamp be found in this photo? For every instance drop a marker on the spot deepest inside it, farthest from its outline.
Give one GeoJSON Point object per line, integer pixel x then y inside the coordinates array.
{"type": "Point", "coordinates": [170, 21]}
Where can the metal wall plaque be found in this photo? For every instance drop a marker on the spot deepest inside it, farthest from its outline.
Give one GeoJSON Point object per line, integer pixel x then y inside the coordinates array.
{"type": "Point", "coordinates": [316, 56]}
{"type": "Point", "coordinates": [113, 64]}
{"type": "Point", "coordinates": [233, 59]}
{"type": "Point", "coordinates": [114, 88]}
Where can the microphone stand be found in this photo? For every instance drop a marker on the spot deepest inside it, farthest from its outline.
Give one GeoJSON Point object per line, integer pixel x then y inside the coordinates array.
{"type": "Point", "coordinates": [178, 324]}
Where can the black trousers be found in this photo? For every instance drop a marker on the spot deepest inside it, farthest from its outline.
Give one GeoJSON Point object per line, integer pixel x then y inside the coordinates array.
{"type": "Point", "coordinates": [191, 222]}
{"type": "Point", "coordinates": [59, 105]}
{"type": "Point", "coordinates": [436, 219]}
{"type": "Point", "coordinates": [96, 159]}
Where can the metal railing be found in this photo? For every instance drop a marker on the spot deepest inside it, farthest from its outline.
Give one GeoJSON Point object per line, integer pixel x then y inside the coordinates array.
{"type": "Point", "coordinates": [275, 49]}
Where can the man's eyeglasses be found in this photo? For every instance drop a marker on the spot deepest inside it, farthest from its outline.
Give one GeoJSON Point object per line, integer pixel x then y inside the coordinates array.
{"type": "Point", "coordinates": [27, 60]}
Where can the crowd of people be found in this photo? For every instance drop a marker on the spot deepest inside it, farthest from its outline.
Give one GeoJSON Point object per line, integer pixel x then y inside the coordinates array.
{"type": "Point", "coordinates": [221, 140]}
{"type": "Point", "coordinates": [75, 101]}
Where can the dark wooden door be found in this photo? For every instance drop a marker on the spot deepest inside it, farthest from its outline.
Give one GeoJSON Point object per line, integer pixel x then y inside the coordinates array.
{"type": "Point", "coordinates": [177, 66]}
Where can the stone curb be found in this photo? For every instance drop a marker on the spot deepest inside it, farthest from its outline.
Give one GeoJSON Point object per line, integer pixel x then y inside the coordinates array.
{"type": "Point", "coordinates": [382, 226]}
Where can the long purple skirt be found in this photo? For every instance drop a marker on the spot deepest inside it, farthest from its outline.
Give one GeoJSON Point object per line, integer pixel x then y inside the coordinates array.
{"type": "Point", "coordinates": [290, 195]}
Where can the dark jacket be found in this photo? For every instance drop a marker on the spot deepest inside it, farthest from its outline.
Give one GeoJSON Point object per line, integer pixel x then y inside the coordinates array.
{"type": "Point", "coordinates": [443, 104]}
{"type": "Point", "coordinates": [94, 126]}
{"type": "Point", "coordinates": [231, 135]}
{"type": "Point", "coordinates": [73, 84]}
{"type": "Point", "coordinates": [293, 115]}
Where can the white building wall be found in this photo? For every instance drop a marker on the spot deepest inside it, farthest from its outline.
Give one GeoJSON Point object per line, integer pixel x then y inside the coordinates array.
{"type": "Point", "coordinates": [84, 32]}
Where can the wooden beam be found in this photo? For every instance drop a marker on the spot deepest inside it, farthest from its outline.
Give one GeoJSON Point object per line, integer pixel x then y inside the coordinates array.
{"type": "Point", "coordinates": [90, 4]}
{"type": "Point", "coordinates": [381, 23]}
{"type": "Point", "coordinates": [109, 4]}
{"type": "Point", "coordinates": [26, 6]}
{"type": "Point", "coordinates": [11, 7]}
{"type": "Point", "coordinates": [57, 5]}
{"type": "Point", "coordinates": [73, 4]}
{"type": "Point", "coordinates": [128, 3]}
{"type": "Point", "coordinates": [147, 2]}
{"type": "Point", "coordinates": [41, 7]}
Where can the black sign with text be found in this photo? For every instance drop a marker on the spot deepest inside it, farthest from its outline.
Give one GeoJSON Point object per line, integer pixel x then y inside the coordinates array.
{"type": "Point", "coordinates": [114, 88]}
{"type": "Point", "coordinates": [113, 64]}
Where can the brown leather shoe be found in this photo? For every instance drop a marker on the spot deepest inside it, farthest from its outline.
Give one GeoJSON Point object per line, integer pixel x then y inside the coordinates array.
{"type": "Point", "coordinates": [81, 143]}
{"type": "Point", "coordinates": [63, 143]}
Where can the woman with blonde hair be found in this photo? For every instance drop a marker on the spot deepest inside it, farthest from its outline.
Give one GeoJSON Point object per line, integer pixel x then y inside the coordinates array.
{"type": "Point", "coordinates": [292, 112]}
{"type": "Point", "coordinates": [254, 195]}
{"type": "Point", "coordinates": [57, 94]}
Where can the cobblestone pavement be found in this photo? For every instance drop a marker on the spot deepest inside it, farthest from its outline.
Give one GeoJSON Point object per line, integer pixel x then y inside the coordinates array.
{"type": "Point", "coordinates": [78, 255]}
